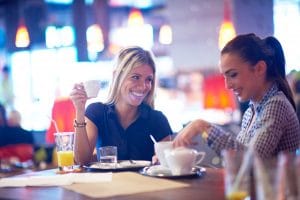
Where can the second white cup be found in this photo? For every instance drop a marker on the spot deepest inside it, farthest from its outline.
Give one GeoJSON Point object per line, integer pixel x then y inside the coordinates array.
{"type": "Point", "coordinates": [159, 148]}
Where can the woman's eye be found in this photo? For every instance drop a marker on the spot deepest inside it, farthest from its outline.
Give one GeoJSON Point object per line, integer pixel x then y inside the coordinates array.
{"type": "Point", "coordinates": [135, 77]}
{"type": "Point", "coordinates": [232, 75]}
{"type": "Point", "coordinates": [149, 80]}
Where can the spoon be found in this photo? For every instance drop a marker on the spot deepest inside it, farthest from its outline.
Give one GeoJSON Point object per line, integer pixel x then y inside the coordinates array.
{"type": "Point", "coordinates": [153, 139]}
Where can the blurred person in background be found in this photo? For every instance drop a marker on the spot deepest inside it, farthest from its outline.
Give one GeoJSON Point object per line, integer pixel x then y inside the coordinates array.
{"type": "Point", "coordinates": [6, 87]}
{"type": "Point", "coordinates": [3, 121]}
{"type": "Point", "coordinates": [254, 69]}
{"type": "Point", "coordinates": [128, 118]}
{"type": "Point", "coordinates": [16, 142]}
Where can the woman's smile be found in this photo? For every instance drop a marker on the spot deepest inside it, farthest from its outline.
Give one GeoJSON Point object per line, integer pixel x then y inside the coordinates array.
{"type": "Point", "coordinates": [139, 96]}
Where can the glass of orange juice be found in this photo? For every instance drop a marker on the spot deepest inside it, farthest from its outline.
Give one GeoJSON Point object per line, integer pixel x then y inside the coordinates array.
{"type": "Point", "coordinates": [232, 163]}
{"type": "Point", "coordinates": [64, 147]}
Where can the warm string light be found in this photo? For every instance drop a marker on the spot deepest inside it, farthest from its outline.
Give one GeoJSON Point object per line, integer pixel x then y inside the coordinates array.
{"type": "Point", "coordinates": [22, 36]}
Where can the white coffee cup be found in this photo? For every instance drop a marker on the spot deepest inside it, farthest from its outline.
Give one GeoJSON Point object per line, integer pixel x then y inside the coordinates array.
{"type": "Point", "coordinates": [92, 88]}
{"type": "Point", "coordinates": [159, 148]}
{"type": "Point", "coordinates": [181, 160]}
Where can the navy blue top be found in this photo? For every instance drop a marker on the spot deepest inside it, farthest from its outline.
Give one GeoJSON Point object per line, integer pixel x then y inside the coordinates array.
{"type": "Point", "coordinates": [15, 135]}
{"type": "Point", "coordinates": [134, 142]}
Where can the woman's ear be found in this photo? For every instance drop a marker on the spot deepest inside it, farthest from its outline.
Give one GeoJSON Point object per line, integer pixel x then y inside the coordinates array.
{"type": "Point", "coordinates": [261, 68]}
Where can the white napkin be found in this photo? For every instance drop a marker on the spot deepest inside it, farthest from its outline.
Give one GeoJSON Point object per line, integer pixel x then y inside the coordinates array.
{"type": "Point", "coordinates": [55, 180]}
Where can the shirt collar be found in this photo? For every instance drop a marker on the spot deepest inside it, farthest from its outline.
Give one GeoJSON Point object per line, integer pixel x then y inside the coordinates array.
{"type": "Point", "coordinates": [143, 109]}
{"type": "Point", "coordinates": [270, 93]}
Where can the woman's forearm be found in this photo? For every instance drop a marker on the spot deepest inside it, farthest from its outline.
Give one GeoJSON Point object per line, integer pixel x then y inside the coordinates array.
{"type": "Point", "coordinates": [82, 148]}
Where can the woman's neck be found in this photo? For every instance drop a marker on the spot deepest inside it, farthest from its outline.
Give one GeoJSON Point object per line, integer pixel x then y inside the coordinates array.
{"type": "Point", "coordinates": [264, 88]}
{"type": "Point", "coordinates": [126, 114]}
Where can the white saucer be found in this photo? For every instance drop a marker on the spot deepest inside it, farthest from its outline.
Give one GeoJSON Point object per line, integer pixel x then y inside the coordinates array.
{"type": "Point", "coordinates": [163, 172]}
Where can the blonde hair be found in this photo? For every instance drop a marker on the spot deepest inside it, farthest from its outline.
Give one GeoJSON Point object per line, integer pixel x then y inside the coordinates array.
{"type": "Point", "coordinates": [127, 59]}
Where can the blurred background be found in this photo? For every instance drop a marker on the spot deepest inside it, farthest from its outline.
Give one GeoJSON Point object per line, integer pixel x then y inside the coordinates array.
{"type": "Point", "coordinates": [48, 45]}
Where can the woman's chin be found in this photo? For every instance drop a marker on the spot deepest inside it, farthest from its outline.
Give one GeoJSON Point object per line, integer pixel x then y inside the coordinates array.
{"type": "Point", "coordinates": [242, 99]}
{"type": "Point", "coordinates": [136, 102]}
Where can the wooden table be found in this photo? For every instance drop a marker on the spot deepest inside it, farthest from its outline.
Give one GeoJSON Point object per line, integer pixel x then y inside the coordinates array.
{"type": "Point", "coordinates": [209, 187]}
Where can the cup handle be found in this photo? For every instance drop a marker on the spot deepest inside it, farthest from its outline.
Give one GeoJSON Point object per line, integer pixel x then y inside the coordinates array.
{"type": "Point", "coordinates": [200, 157]}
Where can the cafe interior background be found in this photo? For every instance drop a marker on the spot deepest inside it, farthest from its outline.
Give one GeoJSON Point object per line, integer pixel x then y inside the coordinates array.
{"type": "Point", "coordinates": [49, 45]}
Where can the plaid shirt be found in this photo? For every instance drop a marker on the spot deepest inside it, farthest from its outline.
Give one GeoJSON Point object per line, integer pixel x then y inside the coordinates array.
{"type": "Point", "coordinates": [276, 120]}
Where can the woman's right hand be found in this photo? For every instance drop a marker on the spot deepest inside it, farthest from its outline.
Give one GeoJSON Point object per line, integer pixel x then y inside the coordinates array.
{"type": "Point", "coordinates": [78, 97]}
{"type": "Point", "coordinates": [186, 135]}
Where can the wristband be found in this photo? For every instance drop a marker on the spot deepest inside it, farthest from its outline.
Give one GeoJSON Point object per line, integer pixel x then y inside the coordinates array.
{"type": "Point", "coordinates": [79, 124]}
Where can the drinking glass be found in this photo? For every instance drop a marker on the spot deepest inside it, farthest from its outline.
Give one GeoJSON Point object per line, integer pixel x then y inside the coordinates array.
{"type": "Point", "coordinates": [235, 188]}
{"type": "Point", "coordinates": [108, 156]}
{"type": "Point", "coordinates": [64, 147]}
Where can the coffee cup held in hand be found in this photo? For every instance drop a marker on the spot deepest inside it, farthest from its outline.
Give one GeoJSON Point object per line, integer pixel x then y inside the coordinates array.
{"type": "Point", "coordinates": [92, 88]}
{"type": "Point", "coordinates": [181, 160]}
{"type": "Point", "coordinates": [159, 148]}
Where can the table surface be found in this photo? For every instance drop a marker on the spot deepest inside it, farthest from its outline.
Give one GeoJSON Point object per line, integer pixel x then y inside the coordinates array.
{"type": "Point", "coordinates": [208, 187]}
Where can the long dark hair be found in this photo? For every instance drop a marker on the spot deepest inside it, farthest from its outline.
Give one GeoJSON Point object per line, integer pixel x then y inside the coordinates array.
{"type": "Point", "coordinates": [253, 49]}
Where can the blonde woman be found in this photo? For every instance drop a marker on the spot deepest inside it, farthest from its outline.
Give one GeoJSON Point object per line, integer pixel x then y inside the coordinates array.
{"type": "Point", "coordinates": [128, 118]}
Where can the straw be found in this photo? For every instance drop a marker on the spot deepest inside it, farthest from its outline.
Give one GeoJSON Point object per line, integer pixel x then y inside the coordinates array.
{"type": "Point", "coordinates": [153, 139]}
{"type": "Point", "coordinates": [247, 159]}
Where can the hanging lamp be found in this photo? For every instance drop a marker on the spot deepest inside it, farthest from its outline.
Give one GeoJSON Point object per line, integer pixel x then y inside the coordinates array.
{"type": "Point", "coordinates": [135, 18]}
{"type": "Point", "coordinates": [22, 35]}
{"type": "Point", "coordinates": [227, 30]}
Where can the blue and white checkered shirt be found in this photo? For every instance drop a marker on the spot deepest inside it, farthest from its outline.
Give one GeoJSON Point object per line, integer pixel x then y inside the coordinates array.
{"type": "Point", "coordinates": [276, 120]}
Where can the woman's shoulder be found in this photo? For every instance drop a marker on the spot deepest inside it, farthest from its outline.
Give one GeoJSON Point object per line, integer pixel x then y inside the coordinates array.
{"type": "Point", "coordinates": [279, 100]}
{"type": "Point", "coordinates": [279, 105]}
{"type": "Point", "coordinates": [96, 107]}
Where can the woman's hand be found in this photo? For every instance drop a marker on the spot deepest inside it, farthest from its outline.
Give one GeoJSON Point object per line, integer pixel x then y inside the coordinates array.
{"type": "Point", "coordinates": [78, 97]}
{"type": "Point", "coordinates": [155, 160]}
{"type": "Point", "coordinates": [186, 135]}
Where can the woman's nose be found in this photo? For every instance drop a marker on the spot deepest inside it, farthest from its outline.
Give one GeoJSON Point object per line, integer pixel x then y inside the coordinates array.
{"type": "Point", "coordinates": [142, 84]}
{"type": "Point", "coordinates": [228, 84]}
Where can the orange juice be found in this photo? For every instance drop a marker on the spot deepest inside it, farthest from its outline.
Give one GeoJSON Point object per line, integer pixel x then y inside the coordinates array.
{"type": "Point", "coordinates": [237, 195]}
{"type": "Point", "coordinates": [65, 158]}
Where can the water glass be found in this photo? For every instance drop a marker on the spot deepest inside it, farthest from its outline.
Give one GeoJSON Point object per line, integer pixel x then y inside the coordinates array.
{"type": "Point", "coordinates": [108, 156]}
{"type": "Point", "coordinates": [65, 150]}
